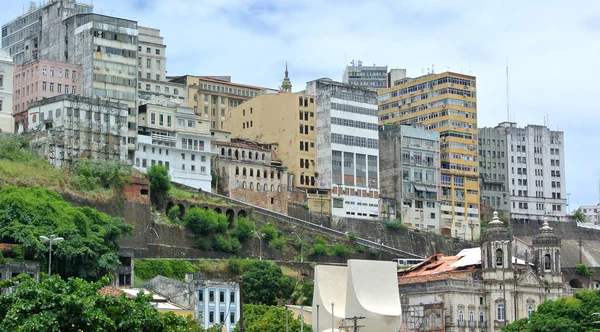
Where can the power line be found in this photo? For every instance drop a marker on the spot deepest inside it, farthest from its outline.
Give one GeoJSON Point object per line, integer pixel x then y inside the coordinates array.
{"type": "Point", "coordinates": [355, 327]}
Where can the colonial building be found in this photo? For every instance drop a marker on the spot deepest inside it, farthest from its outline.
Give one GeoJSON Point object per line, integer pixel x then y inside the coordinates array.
{"type": "Point", "coordinates": [483, 288]}
{"type": "Point", "coordinates": [173, 136]}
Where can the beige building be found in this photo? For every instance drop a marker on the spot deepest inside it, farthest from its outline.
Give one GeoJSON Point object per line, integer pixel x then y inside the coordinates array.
{"type": "Point", "coordinates": [286, 118]}
{"type": "Point", "coordinates": [213, 97]}
{"type": "Point", "coordinates": [251, 172]}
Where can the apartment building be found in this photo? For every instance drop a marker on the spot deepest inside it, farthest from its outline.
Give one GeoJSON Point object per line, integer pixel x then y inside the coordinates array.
{"type": "Point", "coordinates": [67, 127]}
{"type": "Point", "coordinates": [251, 172]}
{"type": "Point", "coordinates": [591, 212]}
{"type": "Point", "coordinates": [174, 137]}
{"type": "Point", "coordinates": [445, 103]}
{"type": "Point", "coordinates": [28, 26]}
{"type": "Point", "coordinates": [494, 169]}
{"type": "Point", "coordinates": [6, 92]}
{"type": "Point", "coordinates": [41, 79]}
{"type": "Point", "coordinates": [535, 169]}
{"type": "Point", "coordinates": [214, 97]}
{"type": "Point", "coordinates": [373, 77]}
{"type": "Point", "coordinates": [347, 146]}
{"type": "Point", "coordinates": [409, 167]}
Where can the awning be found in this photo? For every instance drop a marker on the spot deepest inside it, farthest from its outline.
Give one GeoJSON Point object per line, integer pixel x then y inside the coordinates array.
{"type": "Point", "coordinates": [419, 187]}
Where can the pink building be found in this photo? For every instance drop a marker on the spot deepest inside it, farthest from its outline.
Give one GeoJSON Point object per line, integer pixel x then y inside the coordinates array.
{"type": "Point", "coordinates": [38, 80]}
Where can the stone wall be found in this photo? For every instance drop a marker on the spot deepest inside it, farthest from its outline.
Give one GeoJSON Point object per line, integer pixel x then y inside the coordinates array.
{"type": "Point", "coordinates": [272, 200]}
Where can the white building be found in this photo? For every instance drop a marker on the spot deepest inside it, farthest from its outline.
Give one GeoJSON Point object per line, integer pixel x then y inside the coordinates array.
{"type": "Point", "coordinates": [347, 146]}
{"type": "Point", "coordinates": [175, 137]}
{"type": "Point", "coordinates": [218, 302]}
{"type": "Point", "coordinates": [535, 169]}
{"type": "Point", "coordinates": [67, 127]}
{"type": "Point", "coordinates": [373, 77]}
{"type": "Point", "coordinates": [6, 92]}
{"type": "Point", "coordinates": [591, 213]}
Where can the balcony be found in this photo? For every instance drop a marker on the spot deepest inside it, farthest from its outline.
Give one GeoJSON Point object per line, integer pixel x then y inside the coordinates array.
{"type": "Point", "coordinates": [462, 323]}
{"type": "Point", "coordinates": [482, 324]}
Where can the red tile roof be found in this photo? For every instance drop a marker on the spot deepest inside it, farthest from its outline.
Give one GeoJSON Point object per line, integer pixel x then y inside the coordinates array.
{"type": "Point", "coordinates": [437, 267]}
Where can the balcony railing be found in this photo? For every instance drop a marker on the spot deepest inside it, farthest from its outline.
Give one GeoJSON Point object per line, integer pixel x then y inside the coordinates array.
{"type": "Point", "coordinates": [482, 324]}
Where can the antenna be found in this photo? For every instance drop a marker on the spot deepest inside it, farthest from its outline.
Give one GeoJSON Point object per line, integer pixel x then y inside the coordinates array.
{"type": "Point", "coordinates": [432, 68]}
{"type": "Point", "coordinates": [507, 93]}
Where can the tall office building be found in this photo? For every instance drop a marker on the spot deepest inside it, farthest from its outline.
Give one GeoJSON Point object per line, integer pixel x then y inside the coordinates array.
{"type": "Point", "coordinates": [373, 77]}
{"type": "Point", "coordinates": [530, 162]}
{"type": "Point", "coordinates": [29, 25]}
{"type": "Point", "coordinates": [445, 103]}
{"type": "Point", "coordinates": [347, 146]}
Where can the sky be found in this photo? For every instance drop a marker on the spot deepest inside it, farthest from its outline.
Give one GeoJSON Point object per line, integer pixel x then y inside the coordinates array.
{"type": "Point", "coordinates": [552, 49]}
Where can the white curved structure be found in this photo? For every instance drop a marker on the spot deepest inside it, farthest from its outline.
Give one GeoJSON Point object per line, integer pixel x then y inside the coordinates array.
{"type": "Point", "coordinates": [363, 289]}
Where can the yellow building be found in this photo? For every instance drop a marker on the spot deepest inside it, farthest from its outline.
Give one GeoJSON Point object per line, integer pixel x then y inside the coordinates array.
{"type": "Point", "coordinates": [446, 103]}
{"type": "Point", "coordinates": [212, 97]}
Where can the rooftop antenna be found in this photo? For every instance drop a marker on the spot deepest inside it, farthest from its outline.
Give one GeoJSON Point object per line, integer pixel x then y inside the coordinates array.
{"type": "Point", "coordinates": [507, 93]}
{"type": "Point", "coordinates": [432, 68]}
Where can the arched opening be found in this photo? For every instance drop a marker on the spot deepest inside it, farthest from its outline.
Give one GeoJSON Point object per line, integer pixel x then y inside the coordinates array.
{"type": "Point", "coordinates": [575, 283]}
{"type": "Point", "coordinates": [278, 175]}
{"type": "Point", "coordinates": [499, 261]}
{"type": "Point", "coordinates": [461, 316]}
{"type": "Point", "coordinates": [229, 152]}
{"type": "Point", "coordinates": [265, 174]}
{"type": "Point", "coordinates": [596, 284]}
{"type": "Point", "coordinates": [169, 207]}
{"type": "Point", "coordinates": [258, 173]}
{"type": "Point", "coordinates": [251, 172]}
{"type": "Point", "coordinates": [279, 188]}
{"type": "Point", "coordinates": [266, 188]}
{"type": "Point", "coordinates": [272, 174]}
{"type": "Point", "coordinates": [251, 185]}
{"type": "Point", "coordinates": [272, 187]}
{"type": "Point", "coordinates": [244, 185]}
{"type": "Point", "coordinates": [237, 170]}
{"type": "Point", "coordinates": [242, 213]}
{"type": "Point", "coordinates": [547, 263]}
{"type": "Point", "coordinates": [237, 154]}
{"type": "Point", "coordinates": [230, 216]}
{"type": "Point", "coordinates": [529, 311]}
{"type": "Point", "coordinates": [263, 156]}
{"type": "Point", "coordinates": [256, 155]}
{"type": "Point", "coordinates": [181, 209]}
{"type": "Point", "coordinates": [244, 171]}
{"type": "Point", "coordinates": [222, 151]}
{"type": "Point", "coordinates": [250, 155]}
{"type": "Point", "coordinates": [218, 210]}
{"type": "Point", "coordinates": [257, 186]}
{"type": "Point", "coordinates": [243, 154]}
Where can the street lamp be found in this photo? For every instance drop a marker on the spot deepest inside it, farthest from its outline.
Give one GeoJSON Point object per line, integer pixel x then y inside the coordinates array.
{"type": "Point", "coordinates": [50, 240]}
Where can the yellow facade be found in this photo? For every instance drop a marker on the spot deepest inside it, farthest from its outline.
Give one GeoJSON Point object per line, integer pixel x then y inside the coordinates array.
{"type": "Point", "coordinates": [284, 118]}
{"type": "Point", "coordinates": [446, 103]}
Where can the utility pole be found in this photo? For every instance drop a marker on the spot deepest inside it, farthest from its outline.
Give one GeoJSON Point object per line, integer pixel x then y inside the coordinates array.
{"type": "Point", "coordinates": [354, 325]}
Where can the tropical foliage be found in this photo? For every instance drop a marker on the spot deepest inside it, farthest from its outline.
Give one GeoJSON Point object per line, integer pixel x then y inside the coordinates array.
{"type": "Point", "coordinates": [263, 318]}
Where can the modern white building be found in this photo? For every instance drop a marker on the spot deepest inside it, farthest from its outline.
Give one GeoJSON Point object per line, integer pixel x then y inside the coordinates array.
{"type": "Point", "coordinates": [534, 168]}
{"type": "Point", "coordinates": [373, 77]}
{"type": "Point", "coordinates": [591, 212]}
{"type": "Point", "coordinates": [6, 92]}
{"type": "Point", "coordinates": [67, 127]}
{"type": "Point", "coordinates": [347, 146]}
{"type": "Point", "coordinates": [173, 136]}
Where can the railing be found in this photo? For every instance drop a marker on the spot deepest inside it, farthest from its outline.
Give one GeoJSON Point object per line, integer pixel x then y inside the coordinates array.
{"type": "Point", "coordinates": [590, 226]}
{"type": "Point", "coordinates": [482, 324]}
{"type": "Point", "coordinates": [364, 242]}
{"type": "Point", "coordinates": [461, 323]}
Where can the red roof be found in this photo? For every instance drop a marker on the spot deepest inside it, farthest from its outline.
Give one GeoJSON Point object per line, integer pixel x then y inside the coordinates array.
{"type": "Point", "coordinates": [437, 267]}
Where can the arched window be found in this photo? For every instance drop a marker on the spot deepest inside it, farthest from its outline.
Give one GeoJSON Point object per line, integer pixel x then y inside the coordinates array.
{"type": "Point", "coordinates": [244, 185]}
{"type": "Point", "coordinates": [266, 187]}
{"type": "Point", "coordinates": [272, 174]}
{"type": "Point", "coordinates": [471, 316]}
{"type": "Point", "coordinates": [256, 156]}
{"type": "Point", "coordinates": [547, 263]}
{"type": "Point", "coordinates": [278, 175]}
{"type": "Point", "coordinates": [481, 317]}
{"type": "Point", "coordinates": [499, 257]}
{"type": "Point", "coordinates": [243, 154]}
{"type": "Point", "coordinates": [237, 170]}
{"type": "Point", "coordinates": [251, 172]}
{"type": "Point", "coordinates": [263, 156]}
{"type": "Point", "coordinates": [237, 183]}
{"type": "Point", "coordinates": [279, 188]}
{"type": "Point", "coordinates": [461, 316]}
{"type": "Point", "coordinates": [237, 155]}
{"type": "Point", "coordinates": [265, 173]}
{"type": "Point", "coordinates": [300, 100]}
{"type": "Point", "coordinates": [257, 186]}
{"type": "Point", "coordinates": [222, 151]}
{"type": "Point", "coordinates": [229, 152]}
{"type": "Point", "coordinates": [251, 185]}
{"type": "Point", "coordinates": [258, 173]}
{"type": "Point", "coordinates": [272, 187]}
{"type": "Point", "coordinates": [244, 112]}
{"type": "Point", "coordinates": [244, 171]}
{"type": "Point", "coordinates": [249, 155]}
{"type": "Point", "coordinates": [529, 311]}
{"type": "Point", "coordinates": [500, 313]}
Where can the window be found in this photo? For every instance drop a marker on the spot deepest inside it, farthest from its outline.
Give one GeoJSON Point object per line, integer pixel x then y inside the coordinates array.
{"type": "Point", "coordinates": [481, 316]}
{"type": "Point", "coordinates": [201, 296]}
{"type": "Point", "coordinates": [221, 296]}
{"type": "Point", "coordinates": [157, 51]}
{"type": "Point", "coordinates": [51, 71]}
{"type": "Point", "coordinates": [44, 71]}
{"type": "Point", "coordinates": [148, 50]}
{"type": "Point", "coordinates": [547, 263]}
{"type": "Point", "coordinates": [211, 296]}
{"type": "Point", "coordinates": [499, 257]}
{"type": "Point", "coordinates": [211, 317]}
{"type": "Point", "coordinates": [232, 318]}
{"type": "Point", "coordinates": [500, 313]}
{"type": "Point", "coordinates": [471, 316]}
{"type": "Point", "coordinates": [158, 64]}
{"type": "Point", "coordinates": [44, 86]}
{"type": "Point", "coordinates": [51, 87]}
{"type": "Point", "coordinates": [231, 297]}
{"type": "Point", "coordinates": [529, 311]}
{"type": "Point", "coordinates": [66, 73]}
{"type": "Point", "coordinates": [461, 316]}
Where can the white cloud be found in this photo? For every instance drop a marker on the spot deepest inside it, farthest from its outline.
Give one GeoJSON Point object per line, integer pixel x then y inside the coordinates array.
{"type": "Point", "coordinates": [552, 48]}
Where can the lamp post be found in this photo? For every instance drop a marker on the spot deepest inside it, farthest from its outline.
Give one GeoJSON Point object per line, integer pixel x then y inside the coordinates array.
{"type": "Point", "coordinates": [318, 326]}
{"type": "Point", "coordinates": [332, 317]}
{"type": "Point", "coordinates": [302, 318]}
{"type": "Point", "coordinates": [50, 240]}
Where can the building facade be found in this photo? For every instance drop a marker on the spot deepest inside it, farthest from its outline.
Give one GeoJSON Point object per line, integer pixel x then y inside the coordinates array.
{"type": "Point", "coordinates": [591, 213]}
{"type": "Point", "coordinates": [218, 303]}
{"type": "Point", "coordinates": [174, 137]}
{"type": "Point", "coordinates": [67, 127]}
{"type": "Point", "coordinates": [41, 79]}
{"type": "Point", "coordinates": [409, 167]}
{"type": "Point", "coordinates": [445, 103]}
{"type": "Point", "coordinates": [6, 92]}
{"type": "Point", "coordinates": [373, 77]}
{"type": "Point", "coordinates": [494, 169]}
{"type": "Point", "coordinates": [214, 97]}
{"type": "Point", "coordinates": [347, 148]}
{"type": "Point", "coordinates": [250, 172]}
{"type": "Point", "coordinates": [482, 289]}
{"type": "Point", "coordinates": [152, 60]}
{"type": "Point", "coordinates": [534, 170]}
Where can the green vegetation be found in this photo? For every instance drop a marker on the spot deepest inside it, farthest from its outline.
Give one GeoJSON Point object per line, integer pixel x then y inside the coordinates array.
{"type": "Point", "coordinates": [160, 183]}
{"type": "Point", "coordinates": [244, 229]}
{"type": "Point", "coordinates": [264, 283]}
{"type": "Point", "coordinates": [583, 270]}
{"type": "Point", "coordinates": [91, 237]}
{"type": "Point", "coordinates": [75, 305]}
{"type": "Point", "coordinates": [205, 221]}
{"type": "Point", "coordinates": [396, 225]}
{"type": "Point", "coordinates": [2, 259]}
{"type": "Point", "coordinates": [149, 268]}
{"type": "Point", "coordinates": [270, 232]}
{"type": "Point", "coordinates": [264, 318]}
{"type": "Point", "coordinates": [226, 244]}
{"type": "Point", "coordinates": [319, 247]}
{"type": "Point", "coordinates": [174, 214]}
{"type": "Point", "coordinates": [579, 216]}
{"type": "Point", "coordinates": [574, 314]}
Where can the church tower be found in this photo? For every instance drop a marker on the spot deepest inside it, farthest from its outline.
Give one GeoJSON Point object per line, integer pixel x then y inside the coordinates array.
{"type": "Point", "coordinates": [546, 246]}
{"type": "Point", "coordinates": [286, 85]}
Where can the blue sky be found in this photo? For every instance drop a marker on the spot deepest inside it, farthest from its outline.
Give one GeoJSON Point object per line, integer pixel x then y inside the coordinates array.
{"type": "Point", "coordinates": [553, 50]}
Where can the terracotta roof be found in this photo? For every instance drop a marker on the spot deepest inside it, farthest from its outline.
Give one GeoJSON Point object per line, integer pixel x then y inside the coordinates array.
{"type": "Point", "coordinates": [112, 291]}
{"type": "Point", "coordinates": [7, 246]}
{"type": "Point", "coordinates": [436, 267]}
{"type": "Point", "coordinates": [455, 275]}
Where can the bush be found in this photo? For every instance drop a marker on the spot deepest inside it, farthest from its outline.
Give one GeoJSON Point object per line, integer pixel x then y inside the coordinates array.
{"type": "Point", "coordinates": [278, 243]}
{"type": "Point", "coordinates": [203, 243]}
{"type": "Point", "coordinates": [226, 244]}
{"type": "Point", "coordinates": [93, 174]}
{"type": "Point", "coordinates": [17, 251]}
{"type": "Point", "coordinates": [147, 269]}
{"type": "Point", "coordinates": [360, 248]}
{"type": "Point", "coordinates": [15, 148]}
{"type": "Point", "coordinates": [583, 270]}
{"type": "Point", "coordinates": [396, 225]}
{"type": "Point", "coordinates": [373, 251]}
{"type": "Point", "coordinates": [2, 260]}
{"type": "Point", "coordinates": [352, 236]}
{"type": "Point", "coordinates": [160, 183]}
{"type": "Point", "coordinates": [244, 229]}
{"type": "Point", "coordinates": [270, 232]}
{"type": "Point", "coordinates": [174, 213]}
{"type": "Point", "coordinates": [205, 221]}
{"type": "Point", "coordinates": [339, 249]}
{"type": "Point", "coordinates": [319, 247]}
{"type": "Point", "coordinates": [238, 266]}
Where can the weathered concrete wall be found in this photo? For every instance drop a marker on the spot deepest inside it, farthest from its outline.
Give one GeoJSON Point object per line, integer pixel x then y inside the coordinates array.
{"type": "Point", "coordinates": [565, 230]}
{"type": "Point", "coordinates": [300, 212]}
{"type": "Point", "coordinates": [272, 200]}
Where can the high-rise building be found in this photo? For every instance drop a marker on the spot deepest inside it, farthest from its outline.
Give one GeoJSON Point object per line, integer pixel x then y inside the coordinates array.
{"type": "Point", "coordinates": [530, 162]}
{"type": "Point", "coordinates": [445, 103]}
{"type": "Point", "coordinates": [409, 167]}
{"type": "Point", "coordinates": [214, 97]}
{"type": "Point", "coordinates": [152, 60]}
{"type": "Point", "coordinates": [347, 146]}
{"type": "Point", "coordinates": [6, 92]}
{"type": "Point", "coordinates": [374, 77]}
{"type": "Point", "coordinates": [29, 25]}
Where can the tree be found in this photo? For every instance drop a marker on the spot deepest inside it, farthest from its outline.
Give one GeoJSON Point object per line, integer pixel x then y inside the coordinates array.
{"type": "Point", "coordinates": [89, 250]}
{"type": "Point", "coordinates": [579, 216]}
{"type": "Point", "coordinates": [264, 283]}
{"type": "Point", "coordinates": [263, 318]}
{"type": "Point", "coordinates": [583, 270]}
{"type": "Point", "coordinates": [569, 314]}
{"type": "Point", "coordinates": [75, 305]}
{"type": "Point", "coordinates": [160, 183]}
{"type": "Point", "coordinates": [205, 221]}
